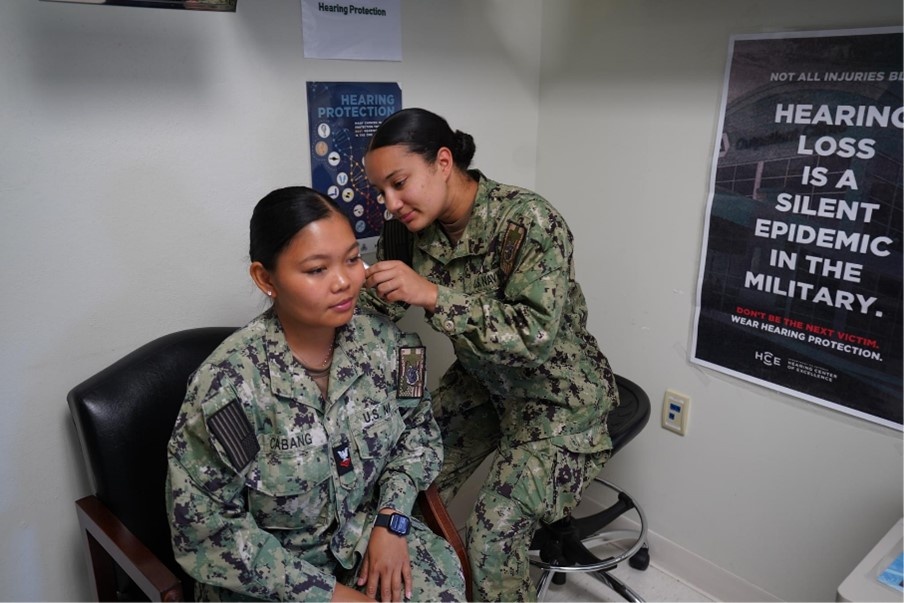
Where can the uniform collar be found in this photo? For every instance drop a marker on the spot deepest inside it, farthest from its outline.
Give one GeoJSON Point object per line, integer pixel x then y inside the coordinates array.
{"type": "Point", "coordinates": [287, 377]}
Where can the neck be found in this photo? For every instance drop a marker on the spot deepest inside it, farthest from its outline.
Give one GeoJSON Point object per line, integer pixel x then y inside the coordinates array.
{"type": "Point", "coordinates": [312, 346]}
{"type": "Point", "coordinates": [462, 193]}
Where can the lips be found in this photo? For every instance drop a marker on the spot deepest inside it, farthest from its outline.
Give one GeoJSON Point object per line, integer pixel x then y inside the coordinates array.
{"type": "Point", "coordinates": [345, 305]}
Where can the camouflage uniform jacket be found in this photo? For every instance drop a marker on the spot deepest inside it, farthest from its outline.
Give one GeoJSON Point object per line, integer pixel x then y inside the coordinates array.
{"type": "Point", "coordinates": [516, 317]}
{"type": "Point", "coordinates": [265, 474]}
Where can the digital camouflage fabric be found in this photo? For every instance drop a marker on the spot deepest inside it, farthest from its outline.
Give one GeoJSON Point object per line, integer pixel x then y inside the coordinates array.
{"type": "Point", "coordinates": [529, 381]}
{"type": "Point", "coordinates": [272, 488]}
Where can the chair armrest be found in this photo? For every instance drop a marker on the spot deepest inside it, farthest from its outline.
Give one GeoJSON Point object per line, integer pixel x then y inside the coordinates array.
{"type": "Point", "coordinates": [108, 540]}
{"type": "Point", "coordinates": [437, 518]}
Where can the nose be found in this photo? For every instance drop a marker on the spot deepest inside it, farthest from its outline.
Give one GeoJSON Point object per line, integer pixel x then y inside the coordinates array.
{"type": "Point", "coordinates": [347, 277]}
{"type": "Point", "coordinates": [342, 280]}
{"type": "Point", "coordinates": [393, 203]}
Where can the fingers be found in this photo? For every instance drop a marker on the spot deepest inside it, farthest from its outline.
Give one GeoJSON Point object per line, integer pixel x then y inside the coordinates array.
{"type": "Point", "coordinates": [393, 592]}
{"type": "Point", "coordinates": [395, 281]}
{"type": "Point", "coordinates": [393, 582]}
{"type": "Point", "coordinates": [389, 585]}
{"type": "Point", "coordinates": [406, 578]}
{"type": "Point", "coordinates": [371, 589]}
{"type": "Point", "coordinates": [389, 588]}
{"type": "Point", "coordinates": [380, 272]}
{"type": "Point", "coordinates": [363, 572]}
{"type": "Point", "coordinates": [389, 280]}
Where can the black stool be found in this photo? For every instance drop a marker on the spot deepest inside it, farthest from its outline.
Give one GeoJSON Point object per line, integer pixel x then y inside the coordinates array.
{"type": "Point", "coordinates": [564, 546]}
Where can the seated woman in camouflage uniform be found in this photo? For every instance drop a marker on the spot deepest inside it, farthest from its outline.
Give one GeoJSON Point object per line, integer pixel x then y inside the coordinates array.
{"type": "Point", "coordinates": [305, 437]}
{"type": "Point", "coordinates": [492, 266]}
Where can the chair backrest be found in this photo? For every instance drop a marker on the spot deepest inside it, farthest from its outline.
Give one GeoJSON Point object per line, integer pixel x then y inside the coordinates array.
{"type": "Point", "coordinates": [630, 416]}
{"type": "Point", "coordinates": [124, 416]}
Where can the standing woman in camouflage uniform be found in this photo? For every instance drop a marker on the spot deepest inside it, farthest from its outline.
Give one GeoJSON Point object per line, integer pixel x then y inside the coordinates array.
{"type": "Point", "coordinates": [304, 427]}
{"type": "Point", "coordinates": [491, 265]}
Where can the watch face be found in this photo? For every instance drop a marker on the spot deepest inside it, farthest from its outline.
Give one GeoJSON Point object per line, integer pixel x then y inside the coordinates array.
{"type": "Point", "coordinates": [399, 524]}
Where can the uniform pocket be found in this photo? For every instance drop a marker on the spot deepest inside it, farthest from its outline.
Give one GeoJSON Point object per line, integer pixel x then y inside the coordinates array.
{"type": "Point", "coordinates": [376, 429]}
{"type": "Point", "coordinates": [291, 489]}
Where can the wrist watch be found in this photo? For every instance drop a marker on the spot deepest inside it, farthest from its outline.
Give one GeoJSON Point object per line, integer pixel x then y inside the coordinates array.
{"type": "Point", "coordinates": [396, 523]}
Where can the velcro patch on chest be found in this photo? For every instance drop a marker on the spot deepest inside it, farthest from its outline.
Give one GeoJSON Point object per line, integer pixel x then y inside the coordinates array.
{"type": "Point", "coordinates": [412, 369]}
{"type": "Point", "coordinates": [233, 430]}
{"type": "Point", "coordinates": [511, 244]}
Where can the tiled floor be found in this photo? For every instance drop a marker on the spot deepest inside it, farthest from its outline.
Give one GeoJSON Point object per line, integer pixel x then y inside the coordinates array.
{"type": "Point", "coordinates": [651, 584]}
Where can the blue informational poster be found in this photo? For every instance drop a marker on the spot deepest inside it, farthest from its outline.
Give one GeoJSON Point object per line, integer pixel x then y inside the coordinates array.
{"type": "Point", "coordinates": [342, 117]}
{"type": "Point", "coordinates": [800, 285]}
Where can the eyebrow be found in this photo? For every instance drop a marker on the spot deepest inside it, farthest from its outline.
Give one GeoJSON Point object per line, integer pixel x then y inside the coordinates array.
{"type": "Point", "coordinates": [325, 256]}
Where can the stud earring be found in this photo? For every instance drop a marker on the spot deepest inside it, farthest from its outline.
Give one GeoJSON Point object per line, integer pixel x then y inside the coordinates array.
{"type": "Point", "coordinates": [269, 294]}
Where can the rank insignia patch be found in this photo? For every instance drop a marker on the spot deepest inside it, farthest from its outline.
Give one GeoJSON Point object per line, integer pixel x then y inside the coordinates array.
{"type": "Point", "coordinates": [412, 368]}
{"type": "Point", "coordinates": [511, 245]}
{"type": "Point", "coordinates": [343, 458]}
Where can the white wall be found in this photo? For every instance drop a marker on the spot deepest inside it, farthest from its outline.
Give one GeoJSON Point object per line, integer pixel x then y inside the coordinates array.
{"type": "Point", "coordinates": [135, 143]}
{"type": "Point", "coordinates": [777, 491]}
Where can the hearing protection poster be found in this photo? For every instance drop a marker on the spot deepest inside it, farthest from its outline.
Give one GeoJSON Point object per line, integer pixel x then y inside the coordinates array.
{"type": "Point", "coordinates": [800, 286]}
{"type": "Point", "coordinates": [342, 117]}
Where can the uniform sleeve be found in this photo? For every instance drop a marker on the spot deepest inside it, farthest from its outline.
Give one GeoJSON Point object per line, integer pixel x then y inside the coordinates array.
{"type": "Point", "coordinates": [417, 457]}
{"type": "Point", "coordinates": [214, 537]}
{"type": "Point", "coordinates": [369, 301]}
{"type": "Point", "coordinates": [518, 328]}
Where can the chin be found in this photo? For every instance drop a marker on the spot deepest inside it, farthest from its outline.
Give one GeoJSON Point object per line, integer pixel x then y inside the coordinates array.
{"type": "Point", "coordinates": [343, 318]}
{"type": "Point", "coordinates": [415, 225]}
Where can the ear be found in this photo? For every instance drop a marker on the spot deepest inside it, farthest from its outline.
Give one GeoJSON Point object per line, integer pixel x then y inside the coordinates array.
{"type": "Point", "coordinates": [261, 278]}
{"type": "Point", "coordinates": [444, 162]}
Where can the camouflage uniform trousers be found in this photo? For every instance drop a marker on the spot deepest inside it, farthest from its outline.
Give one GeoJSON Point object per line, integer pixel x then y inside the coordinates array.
{"type": "Point", "coordinates": [528, 483]}
{"type": "Point", "coordinates": [435, 570]}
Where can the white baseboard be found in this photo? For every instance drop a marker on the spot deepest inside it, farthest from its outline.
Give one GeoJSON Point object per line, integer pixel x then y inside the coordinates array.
{"type": "Point", "coordinates": [695, 571]}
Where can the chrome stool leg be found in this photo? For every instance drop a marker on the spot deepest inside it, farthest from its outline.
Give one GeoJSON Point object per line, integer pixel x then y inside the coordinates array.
{"type": "Point", "coordinates": [627, 593]}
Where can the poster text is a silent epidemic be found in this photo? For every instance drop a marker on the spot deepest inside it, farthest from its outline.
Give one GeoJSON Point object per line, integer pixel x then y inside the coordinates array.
{"type": "Point", "coordinates": [347, 9]}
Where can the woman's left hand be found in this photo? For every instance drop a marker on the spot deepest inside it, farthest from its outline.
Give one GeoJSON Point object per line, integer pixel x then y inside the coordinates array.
{"type": "Point", "coordinates": [395, 281]}
{"type": "Point", "coordinates": [386, 566]}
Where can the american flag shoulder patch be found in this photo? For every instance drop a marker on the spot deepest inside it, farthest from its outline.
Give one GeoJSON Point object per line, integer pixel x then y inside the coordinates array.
{"type": "Point", "coordinates": [231, 428]}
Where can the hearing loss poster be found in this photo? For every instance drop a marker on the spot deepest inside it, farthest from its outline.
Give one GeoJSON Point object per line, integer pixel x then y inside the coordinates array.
{"type": "Point", "coordinates": [342, 117]}
{"type": "Point", "coordinates": [801, 269]}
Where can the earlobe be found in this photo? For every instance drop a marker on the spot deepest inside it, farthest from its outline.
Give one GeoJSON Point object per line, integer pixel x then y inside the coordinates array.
{"type": "Point", "coordinates": [261, 278]}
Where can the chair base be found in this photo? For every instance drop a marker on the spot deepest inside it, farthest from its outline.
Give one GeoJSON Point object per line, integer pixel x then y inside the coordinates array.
{"type": "Point", "coordinates": [625, 591]}
{"type": "Point", "coordinates": [567, 546]}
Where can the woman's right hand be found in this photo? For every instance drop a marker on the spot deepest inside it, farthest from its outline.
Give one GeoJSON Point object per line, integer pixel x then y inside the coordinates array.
{"type": "Point", "coordinates": [395, 281]}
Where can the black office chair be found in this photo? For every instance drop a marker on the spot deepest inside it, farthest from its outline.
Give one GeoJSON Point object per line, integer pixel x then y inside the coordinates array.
{"type": "Point", "coordinates": [565, 546]}
{"type": "Point", "coordinates": [124, 416]}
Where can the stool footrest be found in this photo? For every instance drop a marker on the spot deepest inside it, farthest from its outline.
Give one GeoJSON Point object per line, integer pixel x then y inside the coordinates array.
{"type": "Point", "coordinates": [587, 526]}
